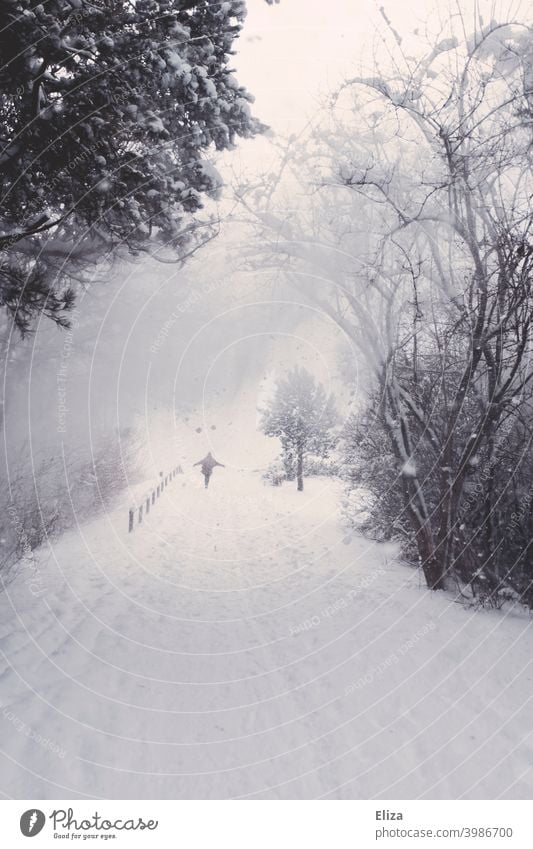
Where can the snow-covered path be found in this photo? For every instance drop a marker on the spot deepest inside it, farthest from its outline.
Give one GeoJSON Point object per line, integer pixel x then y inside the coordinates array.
{"type": "Point", "coordinates": [238, 644]}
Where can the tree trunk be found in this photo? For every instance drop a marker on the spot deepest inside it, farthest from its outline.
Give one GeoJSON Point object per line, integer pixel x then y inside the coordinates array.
{"type": "Point", "coordinates": [432, 564]}
{"type": "Point", "coordinates": [432, 567]}
{"type": "Point", "coordinates": [300, 470]}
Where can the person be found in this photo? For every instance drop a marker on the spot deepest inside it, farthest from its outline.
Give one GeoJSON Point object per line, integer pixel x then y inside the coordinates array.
{"type": "Point", "coordinates": [208, 464]}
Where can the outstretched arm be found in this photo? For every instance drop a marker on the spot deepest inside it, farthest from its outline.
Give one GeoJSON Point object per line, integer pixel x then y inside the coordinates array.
{"type": "Point", "coordinates": [197, 464]}
{"type": "Point", "coordinates": [220, 464]}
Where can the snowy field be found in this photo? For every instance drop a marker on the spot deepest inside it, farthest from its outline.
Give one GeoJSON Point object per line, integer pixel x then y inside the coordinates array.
{"type": "Point", "coordinates": [239, 644]}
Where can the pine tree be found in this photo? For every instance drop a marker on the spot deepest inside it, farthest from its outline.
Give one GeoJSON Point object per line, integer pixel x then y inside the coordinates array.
{"type": "Point", "coordinates": [106, 111]}
{"type": "Point", "coordinates": [302, 416]}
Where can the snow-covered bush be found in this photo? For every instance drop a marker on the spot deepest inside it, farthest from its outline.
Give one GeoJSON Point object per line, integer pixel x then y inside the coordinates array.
{"type": "Point", "coordinates": [492, 538]}
{"type": "Point", "coordinates": [372, 500]}
{"type": "Point", "coordinates": [275, 473]}
{"type": "Point", "coordinates": [416, 240]}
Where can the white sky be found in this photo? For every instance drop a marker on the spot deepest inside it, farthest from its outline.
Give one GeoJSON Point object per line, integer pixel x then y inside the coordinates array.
{"type": "Point", "coordinates": [289, 53]}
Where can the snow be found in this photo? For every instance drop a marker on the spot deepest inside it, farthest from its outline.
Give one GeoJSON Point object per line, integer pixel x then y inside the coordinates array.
{"type": "Point", "coordinates": [239, 644]}
{"type": "Point", "coordinates": [409, 469]}
{"type": "Point", "coordinates": [446, 44]}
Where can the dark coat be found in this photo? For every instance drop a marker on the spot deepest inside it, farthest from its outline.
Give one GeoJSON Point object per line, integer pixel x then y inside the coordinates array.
{"type": "Point", "coordinates": [208, 464]}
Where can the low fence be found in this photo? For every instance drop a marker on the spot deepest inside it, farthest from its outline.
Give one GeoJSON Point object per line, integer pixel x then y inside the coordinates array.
{"type": "Point", "coordinates": [144, 508]}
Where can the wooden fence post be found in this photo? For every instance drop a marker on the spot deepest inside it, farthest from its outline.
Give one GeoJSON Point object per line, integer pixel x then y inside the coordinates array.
{"type": "Point", "coordinates": [165, 480]}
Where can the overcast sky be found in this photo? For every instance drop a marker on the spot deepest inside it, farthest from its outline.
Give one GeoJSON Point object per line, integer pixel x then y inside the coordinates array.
{"type": "Point", "coordinates": [290, 52]}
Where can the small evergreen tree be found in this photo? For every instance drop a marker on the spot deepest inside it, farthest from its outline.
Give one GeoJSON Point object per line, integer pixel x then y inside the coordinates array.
{"type": "Point", "coordinates": [302, 416]}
